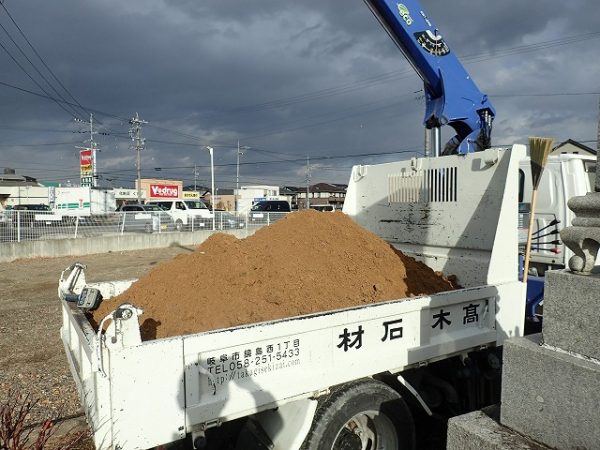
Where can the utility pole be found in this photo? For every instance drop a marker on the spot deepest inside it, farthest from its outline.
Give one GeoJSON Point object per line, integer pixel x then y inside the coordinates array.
{"type": "Point", "coordinates": [212, 184]}
{"type": "Point", "coordinates": [597, 186]}
{"type": "Point", "coordinates": [93, 147]}
{"type": "Point", "coordinates": [195, 177]}
{"type": "Point", "coordinates": [237, 171]}
{"type": "Point", "coordinates": [240, 152]}
{"type": "Point", "coordinates": [135, 132]}
{"type": "Point", "coordinates": [307, 181]}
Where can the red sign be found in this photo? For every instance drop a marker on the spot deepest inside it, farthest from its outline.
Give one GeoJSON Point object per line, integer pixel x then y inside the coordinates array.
{"type": "Point", "coordinates": [86, 169]}
{"type": "Point", "coordinates": [164, 190]}
{"type": "Point", "coordinates": [85, 157]}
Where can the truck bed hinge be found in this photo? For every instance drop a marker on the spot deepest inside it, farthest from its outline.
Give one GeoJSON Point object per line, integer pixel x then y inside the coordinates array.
{"type": "Point", "coordinates": [320, 393]}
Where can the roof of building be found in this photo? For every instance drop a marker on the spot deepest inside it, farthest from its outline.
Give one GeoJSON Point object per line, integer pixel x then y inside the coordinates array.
{"type": "Point", "coordinates": [11, 179]}
{"type": "Point", "coordinates": [318, 187]}
{"type": "Point", "coordinates": [328, 187]}
{"type": "Point", "coordinates": [579, 145]}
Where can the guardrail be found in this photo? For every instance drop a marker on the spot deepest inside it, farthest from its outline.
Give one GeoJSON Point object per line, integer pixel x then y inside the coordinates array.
{"type": "Point", "coordinates": [18, 226]}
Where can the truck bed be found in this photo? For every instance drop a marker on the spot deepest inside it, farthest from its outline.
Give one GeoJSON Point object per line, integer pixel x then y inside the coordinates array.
{"type": "Point", "coordinates": [458, 214]}
{"type": "Point", "coordinates": [142, 394]}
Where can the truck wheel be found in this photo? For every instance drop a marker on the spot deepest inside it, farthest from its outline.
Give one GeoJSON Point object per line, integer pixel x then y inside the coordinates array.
{"type": "Point", "coordinates": [179, 225]}
{"type": "Point", "coordinates": [362, 415]}
{"type": "Point", "coordinates": [148, 228]}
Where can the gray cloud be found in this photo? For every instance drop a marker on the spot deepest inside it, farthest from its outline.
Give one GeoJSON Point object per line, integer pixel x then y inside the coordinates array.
{"type": "Point", "coordinates": [288, 79]}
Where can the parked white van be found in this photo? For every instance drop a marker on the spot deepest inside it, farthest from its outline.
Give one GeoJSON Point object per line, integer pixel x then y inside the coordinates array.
{"type": "Point", "coordinates": [187, 214]}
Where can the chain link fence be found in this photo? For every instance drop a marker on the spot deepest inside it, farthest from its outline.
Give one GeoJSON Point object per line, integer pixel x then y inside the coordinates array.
{"type": "Point", "coordinates": [18, 226]}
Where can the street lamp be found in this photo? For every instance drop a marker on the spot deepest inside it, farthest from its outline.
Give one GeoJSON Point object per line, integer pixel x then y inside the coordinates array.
{"type": "Point", "coordinates": [212, 184]}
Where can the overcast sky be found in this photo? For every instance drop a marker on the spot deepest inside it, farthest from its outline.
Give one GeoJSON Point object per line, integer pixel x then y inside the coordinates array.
{"type": "Point", "coordinates": [289, 80]}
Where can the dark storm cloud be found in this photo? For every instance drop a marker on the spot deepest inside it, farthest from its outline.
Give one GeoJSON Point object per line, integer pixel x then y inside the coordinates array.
{"type": "Point", "coordinates": [288, 79]}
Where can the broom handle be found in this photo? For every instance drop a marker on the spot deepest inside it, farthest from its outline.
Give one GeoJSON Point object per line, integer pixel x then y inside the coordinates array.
{"type": "Point", "coordinates": [529, 233]}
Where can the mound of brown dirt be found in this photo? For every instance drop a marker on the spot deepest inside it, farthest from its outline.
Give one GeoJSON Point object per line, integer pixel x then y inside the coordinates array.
{"type": "Point", "coordinates": [308, 262]}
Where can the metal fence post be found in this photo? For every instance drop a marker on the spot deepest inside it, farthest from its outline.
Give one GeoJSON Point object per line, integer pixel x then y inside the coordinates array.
{"type": "Point", "coordinates": [18, 226]}
{"type": "Point", "coordinates": [76, 226]}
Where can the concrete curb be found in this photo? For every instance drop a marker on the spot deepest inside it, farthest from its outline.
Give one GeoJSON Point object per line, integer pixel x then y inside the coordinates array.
{"type": "Point", "coordinates": [11, 251]}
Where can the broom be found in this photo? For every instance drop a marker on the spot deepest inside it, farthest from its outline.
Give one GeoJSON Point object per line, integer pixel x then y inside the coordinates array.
{"type": "Point", "coordinates": [539, 149]}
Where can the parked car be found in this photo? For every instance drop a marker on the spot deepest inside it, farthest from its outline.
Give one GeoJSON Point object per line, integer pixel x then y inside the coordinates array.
{"type": "Point", "coordinates": [190, 214]}
{"type": "Point", "coordinates": [228, 221]}
{"type": "Point", "coordinates": [3, 216]}
{"type": "Point", "coordinates": [33, 215]}
{"type": "Point", "coordinates": [330, 208]}
{"type": "Point", "coordinates": [147, 218]}
{"type": "Point", "coordinates": [272, 206]}
{"type": "Point", "coordinates": [267, 211]}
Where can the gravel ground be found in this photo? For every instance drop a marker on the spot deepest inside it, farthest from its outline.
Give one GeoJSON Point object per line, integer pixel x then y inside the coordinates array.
{"type": "Point", "coordinates": [32, 359]}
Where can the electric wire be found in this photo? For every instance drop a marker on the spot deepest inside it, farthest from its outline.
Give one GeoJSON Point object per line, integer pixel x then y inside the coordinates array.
{"type": "Point", "coordinates": [42, 59]}
{"type": "Point", "coordinates": [18, 47]}
{"type": "Point", "coordinates": [59, 103]}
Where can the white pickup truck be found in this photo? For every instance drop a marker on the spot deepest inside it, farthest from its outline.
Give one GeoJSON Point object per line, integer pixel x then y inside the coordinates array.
{"type": "Point", "coordinates": [337, 379]}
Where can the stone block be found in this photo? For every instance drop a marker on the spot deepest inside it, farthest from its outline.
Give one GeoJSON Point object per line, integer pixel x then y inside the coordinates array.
{"type": "Point", "coordinates": [480, 431]}
{"type": "Point", "coordinates": [571, 312]}
{"type": "Point", "coordinates": [550, 396]}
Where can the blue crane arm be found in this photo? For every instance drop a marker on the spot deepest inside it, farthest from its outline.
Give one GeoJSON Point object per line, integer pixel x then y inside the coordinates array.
{"type": "Point", "coordinates": [452, 98]}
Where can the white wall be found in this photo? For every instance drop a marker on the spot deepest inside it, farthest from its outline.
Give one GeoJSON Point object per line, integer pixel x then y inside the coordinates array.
{"type": "Point", "coordinates": [24, 195]}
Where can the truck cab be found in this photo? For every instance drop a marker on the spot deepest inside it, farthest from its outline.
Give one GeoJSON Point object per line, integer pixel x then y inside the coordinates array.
{"type": "Point", "coordinates": [565, 176]}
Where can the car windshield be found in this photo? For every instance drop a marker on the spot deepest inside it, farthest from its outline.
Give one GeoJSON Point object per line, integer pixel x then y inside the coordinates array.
{"type": "Point", "coordinates": [259, 206]}
{"type": "Point", "coordinates": [195, 205]}
{"type": "Point", "coordinates": [152, 208]}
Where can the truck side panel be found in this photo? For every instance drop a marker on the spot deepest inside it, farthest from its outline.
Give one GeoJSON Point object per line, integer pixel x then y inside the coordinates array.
{"type": "Point", "coordinates": [147, 395]}
{"type": "Point", "coordinates": [233, 373]}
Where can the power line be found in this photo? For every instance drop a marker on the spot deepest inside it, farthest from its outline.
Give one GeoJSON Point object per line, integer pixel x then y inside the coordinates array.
{"type": "Point", "coordinates": [42, 59]}
{"type": "Point", "coordinates": [36, 83]}
{"type": "Point", "coordinates": [392, 76]}
{"type": "Point", "coordinates": [35, 68]}
{"type": "Point", "coordinates": [353, 86]}
{"type": "Point", "coordinates": [548, 94]}
{"type": "Point", "coordinates": [45, 144]}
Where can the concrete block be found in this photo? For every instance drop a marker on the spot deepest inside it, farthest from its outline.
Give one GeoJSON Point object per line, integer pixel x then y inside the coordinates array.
{"type": "Point", "coordinates": [550, 396]}
{"type": "Point", "coordinates": [571, 317]}
{"type": "Point", "coordinates": [479, 431]}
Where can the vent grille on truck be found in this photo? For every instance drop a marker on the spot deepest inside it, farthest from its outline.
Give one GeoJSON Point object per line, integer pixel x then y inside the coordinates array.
{"type": "Point", "coordinates": [424, 186]}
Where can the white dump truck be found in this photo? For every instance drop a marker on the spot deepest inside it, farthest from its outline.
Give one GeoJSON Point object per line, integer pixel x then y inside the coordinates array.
{"type": "Point", "coordinates": [336, 379]}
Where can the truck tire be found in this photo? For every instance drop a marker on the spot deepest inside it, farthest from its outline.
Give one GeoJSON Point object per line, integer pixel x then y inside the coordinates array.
{"type": "Point", "coordinates": [179, 225]}
{"type": "Point", "coordinates": [366, 414]}
{"type": "Point", "coordinates": [148, 228]}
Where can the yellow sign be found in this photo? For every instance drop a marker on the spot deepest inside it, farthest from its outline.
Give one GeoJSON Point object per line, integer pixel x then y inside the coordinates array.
{"type": "Point", "coordinates": [189, 194]}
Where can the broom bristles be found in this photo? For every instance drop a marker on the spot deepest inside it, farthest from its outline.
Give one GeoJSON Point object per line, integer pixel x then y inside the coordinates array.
{"type": "Point", "coordinates": [539, 149]}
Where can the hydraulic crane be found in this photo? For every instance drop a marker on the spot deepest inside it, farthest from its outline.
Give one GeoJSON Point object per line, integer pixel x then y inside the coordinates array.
{"type": "Point", "coordinates": [452, 98]}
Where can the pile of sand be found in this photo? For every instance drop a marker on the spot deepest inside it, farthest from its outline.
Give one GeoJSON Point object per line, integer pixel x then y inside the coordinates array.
{"type": "Point", "coordinates": [308, 262]}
